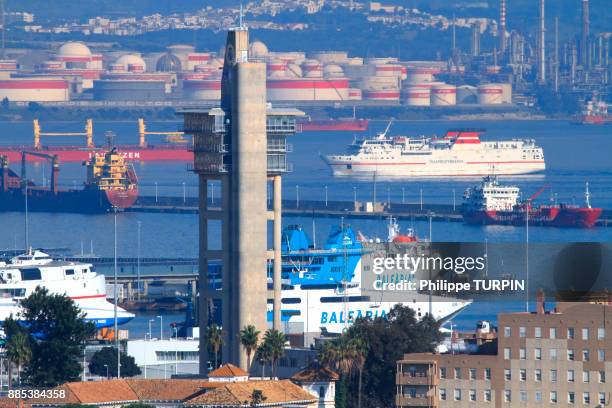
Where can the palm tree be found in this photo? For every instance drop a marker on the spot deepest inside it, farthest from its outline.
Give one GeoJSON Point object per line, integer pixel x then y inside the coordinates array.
{"type": "Point", "coordinates": [18, 351]}
{"type": "Point", "coordinates": [214, 337]}
{"type": "Point", "coordinates": [360, 353]}
{"type": "Point", "coordinates": [249, 338]}
{"type": "Point", "coordinates": [275, 342]}
{"type": "Point", "coordinates": [263, 355]}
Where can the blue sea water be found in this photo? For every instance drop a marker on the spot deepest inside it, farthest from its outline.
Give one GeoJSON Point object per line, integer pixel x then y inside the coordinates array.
{"type": "Point", "coordinates": [574, 155]}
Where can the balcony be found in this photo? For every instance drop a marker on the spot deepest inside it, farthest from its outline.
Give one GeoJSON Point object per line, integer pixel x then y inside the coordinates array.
{"type": "Point", "coordinates": [279, 147]}
{"type": "Point", "coordinates": [417, 401]}
{"type": "Point", "coordinates": [416, 378]}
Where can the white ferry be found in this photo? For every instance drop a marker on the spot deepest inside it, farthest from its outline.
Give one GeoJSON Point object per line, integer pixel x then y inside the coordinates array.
{"type": "Point", "coordinates": [460, 153]}
{"type": "Point", "coordinates": [24, 273]}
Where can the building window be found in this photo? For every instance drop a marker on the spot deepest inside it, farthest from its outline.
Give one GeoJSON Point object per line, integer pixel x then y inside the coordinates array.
{"type": "Point", "coordinates": [507, 353]}
{"type": "Point", "coordinates": [472, 373]}
{"type": "Point", "coordinates": [585, 334]}
{"type": "Point", "coordinates": [507, 395]}
{"type": "Point", "coordinates": [457, 373]}
{"type": "Point", "coordinates": [553, 354]}
{"type": "Point", "coordinates": [442, 394]}
{"type": "Point", "coordinates": [487, 374]}
{"type": "Point", "coordinates": [538, 375]}
{"type": "Point", "coordinates": [553, 376]}
{"type": "Point", "coordinates": [571, 397]}
{"type": "Point", "coordinates": [508, 374]}
{"type": "Point", "coordinates": [601, 333]}
{"type": "Point", "coordinates": [602, 377]}
{"type": "Point", "coordinates": [522, 331]}
{"type": "Point", "coordinates": [570, 332]}
{"type": "Point", "coordinates": [523, 374]}
{"type": "Point", "coordinates": [570, 354]}
{"type": "Point", "coordinates": [538, 353]}
{"type": "Point", "coordinates": [507, 331]}
{"type": "Point", "coordinates": [553, 397]}
{"type": "Point", "coordinates": [585, 355]}
{"type": "Point", "coordinates": [538, 332]}
{"type": "Point", "coordinates": [472, 395]}
{"type": "Point", "coordinates": [586, 377]}
{"type": "Point", "coordinates": [487, 395]}
{"type": "Point", "coordinates": [570, 375]}
{"type": "Point", "coordinates": [586, 398]}
{"type": "Point", "coordinates": [602, 399]}
{"type": "Point", "coordinates": [601, 355]}
{"type": "Point", "coordinates": [442, 372]}
{"type": "Point", "coordinates": [523, 396]}
{"type": "Point", "coordinates": [523, 353]}
{"type": "Point", "coordinates": [538, 396]}
{"type": "Point", "coordinates": [552, 333]}
{"type": "Point", "coordinates": [457, 395]}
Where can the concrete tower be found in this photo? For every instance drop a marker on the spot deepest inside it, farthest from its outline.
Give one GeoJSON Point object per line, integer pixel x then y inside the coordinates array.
{"type": "Point", "coordinates": [542, 46]}
{"type": "Point", "coordinates": [240, 146]}
{"type": "Point", "coordinates": [502, 27]}
{"type": "Point", "coordinates": [584, 41]}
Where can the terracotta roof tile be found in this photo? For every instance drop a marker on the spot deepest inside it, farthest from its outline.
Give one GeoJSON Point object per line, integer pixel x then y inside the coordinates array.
{"type": "Point", "coordinates": [228, 370]}
{"type": "Point", "coordinates": [168, 390]}
{"type": "Point", "coordinates": [6, 402]}
{"type": "Point", "coordinates": [239, 393]}
{"type": "Point", "coordinates": [90, 392]}
{"type": "Point", "coordinates": [315, 372]}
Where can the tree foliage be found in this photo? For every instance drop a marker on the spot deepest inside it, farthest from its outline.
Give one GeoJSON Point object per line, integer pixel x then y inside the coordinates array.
{"type": "Point", "coordinates": [108, 356]}
{"type": "Point", "coordinates": [57, 331]}
{"type": "Point", "coordinates": [249, 338]}
{"type": "Point", "coordinates": [366, 354]}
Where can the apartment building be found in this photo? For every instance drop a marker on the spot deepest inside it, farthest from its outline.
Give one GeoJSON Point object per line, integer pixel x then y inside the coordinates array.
{"type": "Point", "coordinates": [561, 358]}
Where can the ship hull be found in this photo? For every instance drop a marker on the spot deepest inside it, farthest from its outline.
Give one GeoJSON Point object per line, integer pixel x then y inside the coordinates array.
{"type": "Point", "coordinates": [79, 154]}
{"type": "Point", "coordinates": [454, 167]}
{"type": "Point", "coordinates": [334, 126]}
{"type": "Point", "coordinates": [88, 200]}
{"type": "Point", "coordinates": [565, 217]}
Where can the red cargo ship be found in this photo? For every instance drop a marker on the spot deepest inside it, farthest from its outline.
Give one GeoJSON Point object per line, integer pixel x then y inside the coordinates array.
{"type": "Point", "coordinates": [111, 183]}
{"type": "Point", "coordinates": [594, 113]}
{"type": "Point", "coordinates": [78, 154]}
{"type": "Point", "coordinates": [492, 203]}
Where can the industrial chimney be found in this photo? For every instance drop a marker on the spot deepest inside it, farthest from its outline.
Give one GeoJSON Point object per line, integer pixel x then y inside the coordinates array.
{"type": "Point", "coordinates": [542, 47]}
{"type": "Point", "coordinates": [584, 43]}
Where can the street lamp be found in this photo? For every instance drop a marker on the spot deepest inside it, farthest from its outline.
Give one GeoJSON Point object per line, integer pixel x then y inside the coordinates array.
{"type": "Point", "coordinates": [454, 202]}
{"type": "Point", "coordinates": [156, 191]}
{"type": "Point", "coordinates": [403, 195]}
{"type": "Point", "coordinates": [325, 196]}
{"type": "Point", "coordinates": [184, 193]}
{"type": "Point", "coordinates": [297, 196]}
{"type": "Point", "coordinates": [354, 194]}
{"type": "Point", "coordinates": [421, 199]}
{"type": "Point", "coordinates": [161, 327]}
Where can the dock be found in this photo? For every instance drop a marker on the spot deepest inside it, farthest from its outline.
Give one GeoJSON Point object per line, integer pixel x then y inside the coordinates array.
{"type": "Point", "coordinates": [330, 209]}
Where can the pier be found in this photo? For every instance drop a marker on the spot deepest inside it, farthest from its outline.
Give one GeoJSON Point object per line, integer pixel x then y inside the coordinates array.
{"type": "Point", "coordinates": [331, 209]}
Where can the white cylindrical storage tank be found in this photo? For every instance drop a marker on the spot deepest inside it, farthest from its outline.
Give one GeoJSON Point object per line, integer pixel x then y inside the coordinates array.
{"type": "Point", "coordinates": [51, 65]}
{"type": "Point", "coordinates": [333, 71]}
{"type": "Point", "coordinates": [443, 95]}
{"type": "Point", "coordinates": [306, 89]}
{"type": "Point", "coordinates": [329, 57]}
{"type": "Point", "coordinates": [389, 70]}
{"type": "Point", "coordinates": [417, 75]}
{"type": "Point", "coordinates": [417, 96]}
{"type": "Point", "coordinates": [195, 59]}
{"type": "Point", "coordinates": [467, 94]}
{"type": "Point", "coordinates": [293, 71]}
{"type": "Point", "coordinates": [490, 94]}
{"type": "Point", "coordinates": [34, 89]}
{"type": "Point", "coordinates": [355, 94]}
{"type": "Point", "coordinates": [312, 69]}
{"type": "Point", "coordinates": [374, 83]}
{"type": "Point", "coordinates": [384, 95]}
{"type": "Point", "coordinates": [116, 68]}
{"type": "Point", "coordinates": [277, 69]}
{"type": "Point", "coordinates": [204, 89]}
{"type": "Point", "coordinates": [506, 92]}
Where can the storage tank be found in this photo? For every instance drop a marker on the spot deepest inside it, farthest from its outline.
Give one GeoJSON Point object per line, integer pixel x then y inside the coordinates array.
{"type": "Point", "coordinates": [307, 89]}
{"type": "Point", "coordinates": [51, 65]}
{"type": "Point", "coordinates": [417, 96]}
{"type": "Point", "coordinates": [333, 71]}
{"type": "Point", "coordinates": [202, 89]}
{"type": "Point", "coordinates": [258, 50]}
{"type": "Point", "coordinates": [374, 83]}
{"type": "Point", "coordinates": [467, 94]}
{"type": "Point", "coordinates": [34, 89]}
{"type": "Point", "coordinates": [443, 95]}
{"type": "Point", "coordinates": [490, 94]}
{"type": "Point", "coordinates": [329, 57]}
{"type": "Point", "coordinates": [355, 94]}
{"type": "Point", "coordinates": [197, 58]}
{"type": "Point", "coordinates": [388, 70]}
{"type": "Point", "coordinates": [116, 68]}
{"type": "Point", "coordinates": [294, 71]}
{"type": "Point", "coordinates": [383, 95]}
{"type": "Point", "coordinates": [416, 75]}
{"type": "Point", "coordinates": [312, 69]}
{"type": "Point", "coordinates": [506, 92]}
{"type": "Point", "coordinates": [129, 90]}
{"type": "Point", "coordinates": [132, 63]}
{"type": "Point", "coordinates": [277, 69]}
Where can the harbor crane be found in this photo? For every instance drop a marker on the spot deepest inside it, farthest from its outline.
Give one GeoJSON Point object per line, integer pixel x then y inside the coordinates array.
{"type": "Point", "coordinates": [172, 137]}
{"type": "Point", "coordinates": [88, 134]}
